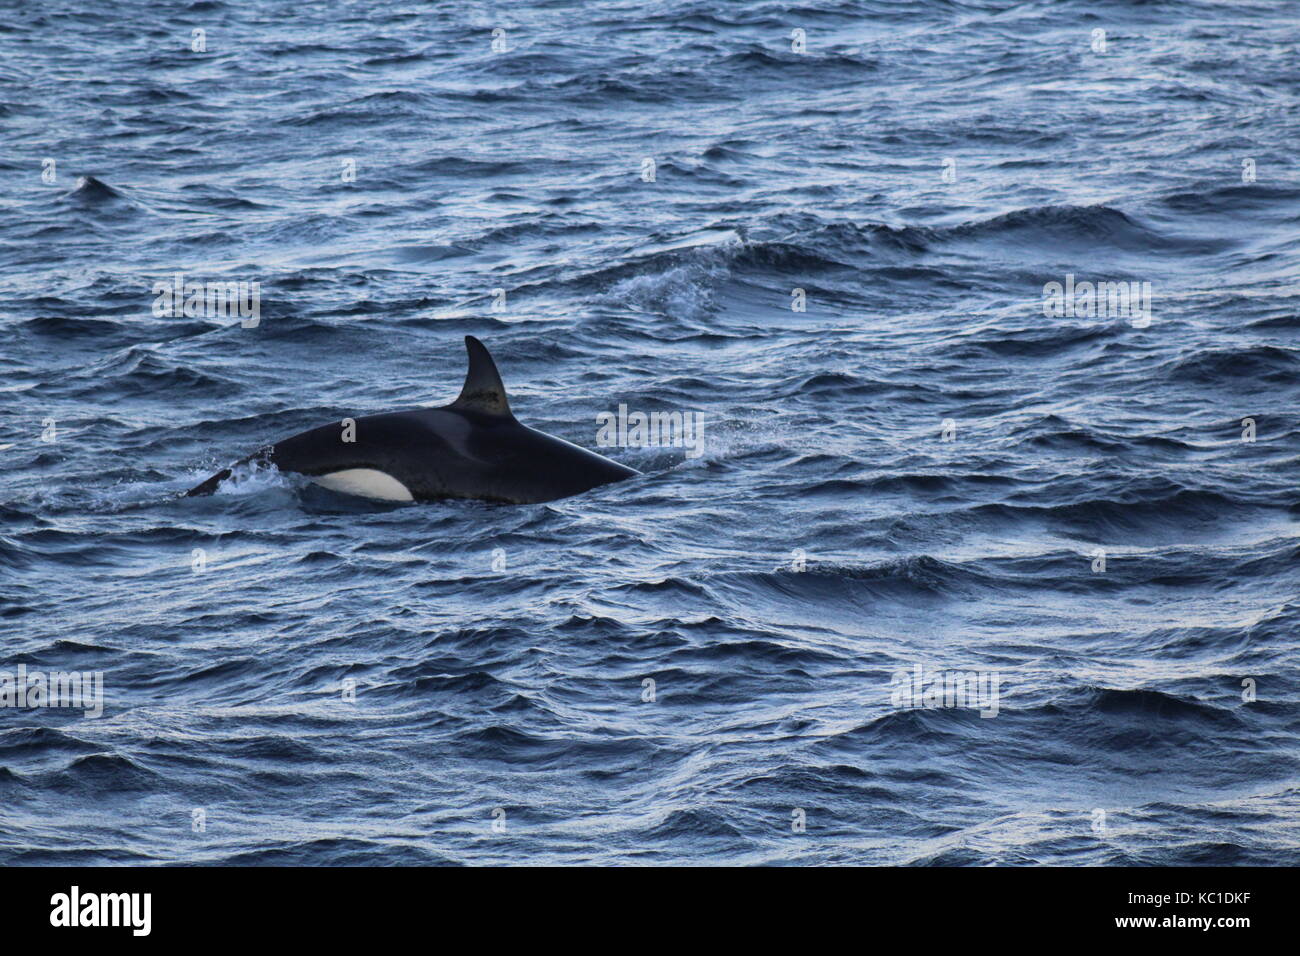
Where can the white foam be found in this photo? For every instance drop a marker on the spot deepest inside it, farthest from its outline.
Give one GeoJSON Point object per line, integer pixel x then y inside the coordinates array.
{"type": "Point", "coordinates": [251, 478]}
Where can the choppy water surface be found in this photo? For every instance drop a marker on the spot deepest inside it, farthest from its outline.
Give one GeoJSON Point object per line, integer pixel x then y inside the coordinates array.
{"type": "Point", "coordinates": [520, 688]}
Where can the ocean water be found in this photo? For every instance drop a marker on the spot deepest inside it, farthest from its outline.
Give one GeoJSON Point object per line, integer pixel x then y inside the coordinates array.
{"type": "Point", "coordinates": [916, 460]}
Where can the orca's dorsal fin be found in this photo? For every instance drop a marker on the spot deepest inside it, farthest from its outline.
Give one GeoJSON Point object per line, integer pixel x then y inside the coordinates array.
{"type": "Point", "coordinates": [483, 390]}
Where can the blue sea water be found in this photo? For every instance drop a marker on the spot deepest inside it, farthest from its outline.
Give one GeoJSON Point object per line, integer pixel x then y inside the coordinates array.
{"type": "Point", "coordinates": [921, 467]}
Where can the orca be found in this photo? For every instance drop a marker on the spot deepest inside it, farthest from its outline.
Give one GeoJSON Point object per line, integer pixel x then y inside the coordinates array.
{"type": "Point", "coordinates": [472, 448]}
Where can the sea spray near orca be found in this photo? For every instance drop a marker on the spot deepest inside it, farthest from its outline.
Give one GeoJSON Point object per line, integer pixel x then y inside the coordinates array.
{"type": "Point", "coordinates": [472, 448]}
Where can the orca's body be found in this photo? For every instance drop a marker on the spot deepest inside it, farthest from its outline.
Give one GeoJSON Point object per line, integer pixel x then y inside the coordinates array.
{"type": "Point", "coordinates": [472, 448]}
